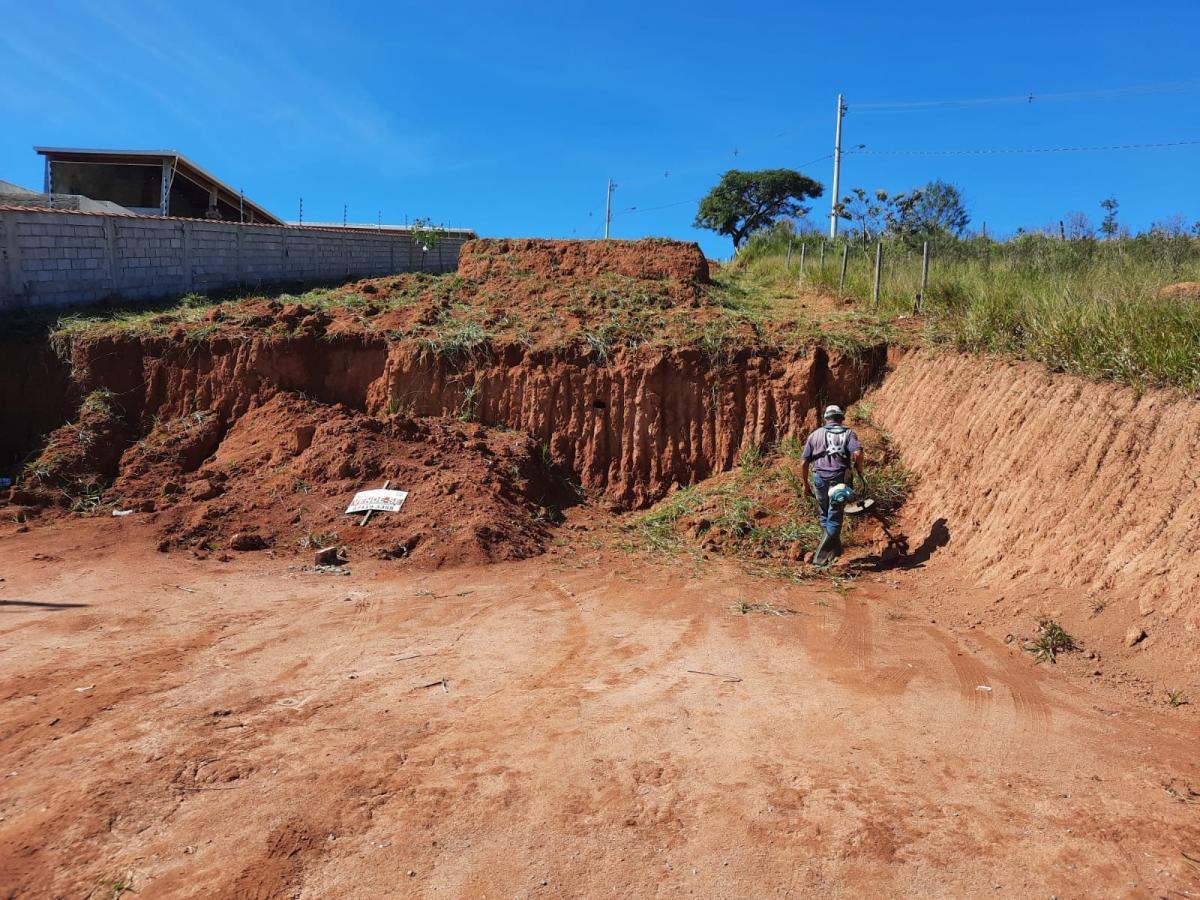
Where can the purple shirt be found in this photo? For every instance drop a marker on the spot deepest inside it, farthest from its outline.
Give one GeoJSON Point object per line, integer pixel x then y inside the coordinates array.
{"type": "Point", "coordinates": [814, 452]}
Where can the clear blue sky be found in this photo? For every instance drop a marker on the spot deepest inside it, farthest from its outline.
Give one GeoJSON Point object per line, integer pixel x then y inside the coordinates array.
{"type": "Point", "coordinates": [509, 117]}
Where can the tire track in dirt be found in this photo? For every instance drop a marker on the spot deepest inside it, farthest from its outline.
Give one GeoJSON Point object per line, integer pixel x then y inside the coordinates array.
{"type": "Point", "coordinates": [1031, 709]}
{"type": "Point", "coordinates": [970, 675]}
{"type": "Point", "coordinates": [846, 652]}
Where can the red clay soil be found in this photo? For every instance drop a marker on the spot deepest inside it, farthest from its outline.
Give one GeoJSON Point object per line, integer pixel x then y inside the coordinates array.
{"type": "Point", "coordinates": [582, 724]}
{"type": "Point", "coordinates": [651, 259]}
{"type": "Point", "coordinates": [283, 474]}
{"type": "Point", "coordinates": [630, 429]}
{"type": "Point", "coordinates": [1060, 498]}
{"type": "Point", "coordinates": [1184, 290]}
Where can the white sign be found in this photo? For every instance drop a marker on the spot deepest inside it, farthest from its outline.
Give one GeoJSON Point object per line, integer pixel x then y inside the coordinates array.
{"type": "Point", "coordinates": [379, 500]}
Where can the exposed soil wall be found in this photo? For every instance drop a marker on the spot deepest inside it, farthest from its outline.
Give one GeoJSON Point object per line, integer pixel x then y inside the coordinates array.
{"type": "Point", "coordinates": [1052, 480]}
{"type": "Point", "coordinates": [36, 396]}
{"type": "Point", "coordinates": [629, 430]}
{"type": "Point", "coordinates": [647, 259]}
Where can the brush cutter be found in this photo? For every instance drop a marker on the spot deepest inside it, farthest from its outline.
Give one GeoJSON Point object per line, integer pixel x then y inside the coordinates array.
{"type": "Point", "coordinates": [854, 504]}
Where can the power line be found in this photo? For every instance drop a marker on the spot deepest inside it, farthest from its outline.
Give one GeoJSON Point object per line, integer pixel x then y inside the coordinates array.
{"type": "Point", "coordinates": [1028, 98]}
{"type": "Point", "coordinates": [1008, 150]}
{"type": "Point", "coordinates": [641, 209]}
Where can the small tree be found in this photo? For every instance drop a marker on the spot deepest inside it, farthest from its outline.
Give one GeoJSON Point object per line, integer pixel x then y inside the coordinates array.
{"type": "Point", "coordinates": [1079, 226]}
{"type": "Point", "coordinates": [744, 202]}
{"type": "Point", "coordinates": [939, 209]}
{"type": "Point", "coordinates": [425, 234]}
{"type": "Point", "coordinates": [1109, 227]}
{"type": "Point", "coordinates": [876, 214]}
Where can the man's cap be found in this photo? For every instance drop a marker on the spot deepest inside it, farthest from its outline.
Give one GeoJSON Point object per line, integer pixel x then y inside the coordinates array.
{"type": "Point", "coordinates": [834, 412]}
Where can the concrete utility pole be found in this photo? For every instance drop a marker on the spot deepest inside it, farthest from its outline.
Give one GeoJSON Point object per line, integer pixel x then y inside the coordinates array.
{"type": "Point", "coordinates": [608, 208]}
{"type": "Point", "coordinates": [837, 168]}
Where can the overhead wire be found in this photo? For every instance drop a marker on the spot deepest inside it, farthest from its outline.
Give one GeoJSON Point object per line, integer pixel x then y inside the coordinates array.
{"type": "Point", "coordinates": [1028, 98]}
{"type": "Point", "coordinates": [1006, 150]}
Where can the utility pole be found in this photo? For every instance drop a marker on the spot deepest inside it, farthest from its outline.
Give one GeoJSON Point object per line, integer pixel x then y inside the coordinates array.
{"type": "Point", "coordinates": [301, 210]}
{"type": "Point", "coordinates": [837, 168]}
{"type": "Point", "coordinates": [608, 208]}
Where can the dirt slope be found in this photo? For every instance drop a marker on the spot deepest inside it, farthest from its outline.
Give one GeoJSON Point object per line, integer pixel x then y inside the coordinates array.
{"type": "Point", "coordinates": [1083, 494]}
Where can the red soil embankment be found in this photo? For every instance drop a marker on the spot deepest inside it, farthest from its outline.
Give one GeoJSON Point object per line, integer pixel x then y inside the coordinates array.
{"type": "Point", "coordinates": [646, 259]}
{"type": "Point", "coordinates": [1085, 492]}
{"type": "Point", "coordinates": [629, 430]}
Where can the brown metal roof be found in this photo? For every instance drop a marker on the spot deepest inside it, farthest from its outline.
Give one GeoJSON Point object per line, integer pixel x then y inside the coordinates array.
{"type": "Point", "coordinates": [183, 165]}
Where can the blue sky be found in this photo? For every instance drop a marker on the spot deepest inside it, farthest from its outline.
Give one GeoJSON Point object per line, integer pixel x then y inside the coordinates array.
{"type": "Point", "coordinates": [509, 118]}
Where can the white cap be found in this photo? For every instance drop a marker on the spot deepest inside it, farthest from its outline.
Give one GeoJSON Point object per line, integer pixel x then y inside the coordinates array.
{"type": "Point", "coordinates": [833, 411]}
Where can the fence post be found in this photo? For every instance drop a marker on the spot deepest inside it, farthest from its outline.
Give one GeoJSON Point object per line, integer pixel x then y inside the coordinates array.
{"type": "Point", "coordinates": [822, 257]}
{"type": "Point", "coordinates": [842, 278]}
{"type": "Point", "coordinates": [803, 247]}
{"type": "Point", "coordinates": [788, 264]}
{"type": "Point", "coordinates": [924, 275]}
{"type": "Point", "coordinates": [878, 272]}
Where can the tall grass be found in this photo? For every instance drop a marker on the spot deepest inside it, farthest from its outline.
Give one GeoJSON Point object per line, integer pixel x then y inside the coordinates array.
{"type": "Point", "coordinates": [1090, 307]}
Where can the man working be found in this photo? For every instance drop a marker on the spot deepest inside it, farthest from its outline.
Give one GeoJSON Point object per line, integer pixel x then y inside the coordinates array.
{"type": "Point", "coordinates": [829, 453]}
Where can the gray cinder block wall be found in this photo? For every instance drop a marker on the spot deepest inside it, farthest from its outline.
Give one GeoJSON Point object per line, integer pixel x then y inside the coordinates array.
{"type": "Point", "coordinates": [59, 258]}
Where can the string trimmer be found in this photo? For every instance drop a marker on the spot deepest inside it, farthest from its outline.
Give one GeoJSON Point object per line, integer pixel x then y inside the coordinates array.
{"type": "Point", "coordinates": [854, 504]}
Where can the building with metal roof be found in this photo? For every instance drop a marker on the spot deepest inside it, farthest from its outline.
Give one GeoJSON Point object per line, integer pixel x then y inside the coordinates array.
{"type": "Point", "coordinates": [148, 183]}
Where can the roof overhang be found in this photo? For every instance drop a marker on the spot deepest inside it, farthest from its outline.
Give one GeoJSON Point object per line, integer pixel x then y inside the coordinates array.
{"type": "Point", "coordinates": [181, 165]}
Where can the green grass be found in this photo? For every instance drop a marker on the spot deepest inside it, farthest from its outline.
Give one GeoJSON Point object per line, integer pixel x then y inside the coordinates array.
{"type": "Point", "coordinates": [1050, 640]}
{"type": "Point", "coordinates": [1083, 306]}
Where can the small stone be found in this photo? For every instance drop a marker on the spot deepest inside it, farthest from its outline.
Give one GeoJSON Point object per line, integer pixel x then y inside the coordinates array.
{"type": "Point", "coordinates": [1135, 635]}
{"type": "Point", "coordinates": [412, 873]}
{"type": "Point", "coordinates": [1146, 605]}
{"type": "Point", "coordinates": [330, 556]}
{"type": "Point", "coordinates": [204, 490]}
{"type": "Point", "coordinates": [245, 541]}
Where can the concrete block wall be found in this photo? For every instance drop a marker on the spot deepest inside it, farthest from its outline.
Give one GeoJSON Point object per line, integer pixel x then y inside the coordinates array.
{"type": "Point", "coordinates": [60, 258]}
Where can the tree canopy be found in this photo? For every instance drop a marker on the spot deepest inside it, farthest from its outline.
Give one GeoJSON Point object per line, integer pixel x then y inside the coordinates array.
{"type": "Point", "coordinates": [745, 202]}
{"type": "Point", "coordinates": [922, 213]}
{"type": "Point", "coordinates": [939, 209]}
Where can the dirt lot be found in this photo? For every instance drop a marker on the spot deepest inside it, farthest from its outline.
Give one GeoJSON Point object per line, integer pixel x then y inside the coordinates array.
{"type": "Point", "coordinates": [580, 723]}
{"type": "Point", "coordinates": [498, 702]}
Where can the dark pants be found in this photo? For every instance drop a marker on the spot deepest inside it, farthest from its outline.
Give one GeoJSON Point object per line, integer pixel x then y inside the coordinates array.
{"type": "Point", "coordinates": [831, 513]}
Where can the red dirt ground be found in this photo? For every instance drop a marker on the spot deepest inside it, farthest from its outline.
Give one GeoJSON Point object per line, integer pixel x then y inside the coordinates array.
{"type": "Point", "coordinates": [579, 724]}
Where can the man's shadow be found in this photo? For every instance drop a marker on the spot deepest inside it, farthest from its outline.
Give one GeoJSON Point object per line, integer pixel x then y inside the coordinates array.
{"type": "Point", "coordinates": [894, 558]}
{"type": "Point", "coordinates": [41, 604]}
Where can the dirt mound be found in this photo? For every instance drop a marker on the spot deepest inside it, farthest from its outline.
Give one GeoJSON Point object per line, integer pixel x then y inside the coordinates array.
{"type": "Point", "coordinates": [1081, 496]}
{"type": "Point", "coordinates": [1184, 290]}
{"type": "Point", "coordinates": [646, 259]}
{"type": "Point", "coordinates": [284, 473]}
{"type": "Point", "coordinates": [78, 459]}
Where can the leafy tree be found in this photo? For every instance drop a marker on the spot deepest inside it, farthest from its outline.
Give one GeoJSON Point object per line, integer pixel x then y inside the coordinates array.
{"type": "Point", "coordinates": [939, 209]}
{"type": "Point", "coordinates": [1109, 227]}
{"type": "Point", "coordinates": [745, 202]}
{"type": "Point", "coordinates": [425, 234]}
{"type": "Point", "coordinates": [878, 213]}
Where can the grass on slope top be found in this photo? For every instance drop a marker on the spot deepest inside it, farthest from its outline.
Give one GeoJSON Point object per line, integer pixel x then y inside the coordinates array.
{"type": "Point", "coordinates": [453, 315]}
{"type": "Point", "coordinates": [1102, 309]}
